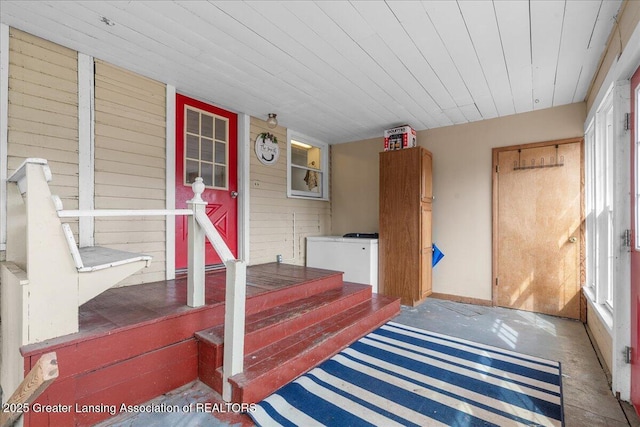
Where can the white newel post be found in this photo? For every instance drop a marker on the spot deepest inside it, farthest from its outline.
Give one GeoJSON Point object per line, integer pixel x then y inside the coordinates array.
{"type": "Point", "coordinates": [233, 323]}
{"type": "Point", "coordinates": [196, 253]}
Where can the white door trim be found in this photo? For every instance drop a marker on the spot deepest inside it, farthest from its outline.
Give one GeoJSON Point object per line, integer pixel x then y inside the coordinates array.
{"type": "Point", "coordinates": [244, 153]}
{"type": "Point", "coordinates": [170, 177]}
{"type": "Point", "coordinates": [86, 147]}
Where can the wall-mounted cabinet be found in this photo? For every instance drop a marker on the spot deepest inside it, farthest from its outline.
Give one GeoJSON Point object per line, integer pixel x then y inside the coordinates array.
{"type": "Point", "coordinates": [405, 224]}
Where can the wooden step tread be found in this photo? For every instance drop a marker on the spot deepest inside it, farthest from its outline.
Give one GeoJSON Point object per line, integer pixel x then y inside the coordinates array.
{"type": "Point", "coordinates": [271, 367]}
{"type": "Point", "coordinates": [286, 312]}
{"type": "Point", "coordinates": [280, 351]}
{"type": "Point", "coordinates": [281, 284]}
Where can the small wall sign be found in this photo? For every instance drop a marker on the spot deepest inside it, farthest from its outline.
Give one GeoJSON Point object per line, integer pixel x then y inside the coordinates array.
{"type": "Point", "coordinates": [267, 148]}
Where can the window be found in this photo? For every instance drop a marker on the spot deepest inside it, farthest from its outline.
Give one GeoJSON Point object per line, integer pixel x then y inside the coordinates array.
{"type": "Point", "coordinates": [599, 204]}
{"type": "Point", "coordinates": [206, 148]}
{"type": "Point", "coordinates": [307, 171]}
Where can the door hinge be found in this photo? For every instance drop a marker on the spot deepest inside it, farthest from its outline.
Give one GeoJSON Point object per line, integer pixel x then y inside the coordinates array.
{"type": "Point", "coordinates": [627, 121]}
{"type": "Point", "coordinates": [627, 353]}
{"type": "Point", "coordinates": [497, 168]}
{"type": "Point", "coordinates": [496, 281]}
{"type": "Point", "coordinates": [626, 238]}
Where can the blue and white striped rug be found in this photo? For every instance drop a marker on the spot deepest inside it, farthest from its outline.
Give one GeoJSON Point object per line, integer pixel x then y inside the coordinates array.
{"type": "Point", "coordinates": [403, 376]}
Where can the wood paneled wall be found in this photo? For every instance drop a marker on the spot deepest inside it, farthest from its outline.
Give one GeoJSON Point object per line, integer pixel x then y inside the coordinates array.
{"type": "Point", "coordinates": [130, 122]}
{"type": "Point", "coordinates": [272, 227]}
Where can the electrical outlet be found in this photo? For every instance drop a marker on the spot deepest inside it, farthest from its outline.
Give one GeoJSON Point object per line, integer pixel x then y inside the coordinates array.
{"type": "Point", "coordinates": [255, 184]}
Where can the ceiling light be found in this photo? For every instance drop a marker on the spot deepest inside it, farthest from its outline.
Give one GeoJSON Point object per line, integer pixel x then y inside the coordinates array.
{"type": "Point", "coordinates": [301, 144]}
{"type": "Point", "coordinates": [272, 121]}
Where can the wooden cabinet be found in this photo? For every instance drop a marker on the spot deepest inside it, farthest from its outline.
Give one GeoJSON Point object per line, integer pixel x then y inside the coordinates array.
{"type": "Point", "coordinates": [405, 224]}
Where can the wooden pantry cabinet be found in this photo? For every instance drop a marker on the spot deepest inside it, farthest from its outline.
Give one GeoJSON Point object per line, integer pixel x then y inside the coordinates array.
{"type": "Point", "coordinates": [405, 224]}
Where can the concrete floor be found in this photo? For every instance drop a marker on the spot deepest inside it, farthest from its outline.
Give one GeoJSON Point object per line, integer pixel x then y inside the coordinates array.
{"type": "Point", "coordinates": [588, 400]}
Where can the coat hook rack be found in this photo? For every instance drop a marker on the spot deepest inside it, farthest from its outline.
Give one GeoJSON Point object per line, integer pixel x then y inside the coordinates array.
{"type": "Point", "coordinates": [553, 162]}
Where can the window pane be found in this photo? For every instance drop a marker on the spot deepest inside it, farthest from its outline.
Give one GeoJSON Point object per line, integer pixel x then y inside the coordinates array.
{"type": "Point", "coordinates": [221, 129]}
{"type": "Point", "coordinates": [206, 146]}
{"type": "Point", "coordinates": [298, 156]}
{"type": "Point", "coordinates": [308, 157]}
{"type": "Point", "coordinates": [313, 180]}
{"type": "Point", "coordinates": [221, 153]}
{"type": "Point", "coordinates": [190, 171]}
{"type": "Point", "coordinates": [221, 176]}
{"type": "Point", "coordinates": [192, 151]}
{"type": "Point", "coordinates": [207, 174]}
{"type": "Point", "coordinates": [313, 158]}
{"type": "Point", "coordinates": [193, 121]}
{"type": "Point", "coordinates": [305, 180]}
{"type": "Point", "coordinates": [207, 126]}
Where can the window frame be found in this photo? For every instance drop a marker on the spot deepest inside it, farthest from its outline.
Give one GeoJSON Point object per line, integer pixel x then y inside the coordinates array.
{"type": "Point", "coordinates": [599, 204]}
{"type": "Point", "coordinates": [590, 234]}
{"type": "Point", "coordinates": [323, 170]}
{"type": "Point", "coordinates": [186, 133]}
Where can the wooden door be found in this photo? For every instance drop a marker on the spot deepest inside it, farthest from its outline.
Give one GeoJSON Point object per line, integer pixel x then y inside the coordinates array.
{"type": "Point", "coordinates": [537, 227]}
{"type": "Point", "coordinates": [206, 146]}
{"type": "Point", "coordinates": [635, 247]}
{"type": "Point", "coordinates": [400, 235]}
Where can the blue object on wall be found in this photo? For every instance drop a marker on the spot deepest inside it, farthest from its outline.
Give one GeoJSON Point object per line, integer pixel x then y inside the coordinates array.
{"type": "Point", "coordinates": [437, 255]}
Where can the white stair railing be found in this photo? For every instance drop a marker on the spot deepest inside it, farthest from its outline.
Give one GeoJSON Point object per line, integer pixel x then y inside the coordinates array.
{"type": "Point", "coordinates": [234, 317]}
{"type": "Point", "coordinates": [32, 191]}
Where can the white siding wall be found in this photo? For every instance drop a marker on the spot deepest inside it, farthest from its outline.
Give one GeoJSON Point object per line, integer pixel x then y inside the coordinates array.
{"type": "Point", "coordinates": [130, 164]}
{"type": "Point", "coordinates": [43, 110]}
{"type": "Point", "coordinates": [130, 160]}
{"type": "Point", "coordinates": [272, 214]}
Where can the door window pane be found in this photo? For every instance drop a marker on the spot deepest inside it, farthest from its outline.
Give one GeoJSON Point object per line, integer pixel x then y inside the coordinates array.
{"type": "Point", "coordinates": [191, 171]}
{"type": "Point", "coordinates": [206, 145]}
{"type": "Point", "coordinates": [221, 152]}
{"type": "Point", "coordinates": [221, 176]}
{"type": "Point", "coordinates": [193, 122]}
{"type": "Point", "coordinates": [192, 147]}
{"type": "Point", "coordinates": [221, 129]}
{"type": "Point", "coordinates": [207, 174]}
{"type": "Point", "coordinates": [207, 126]}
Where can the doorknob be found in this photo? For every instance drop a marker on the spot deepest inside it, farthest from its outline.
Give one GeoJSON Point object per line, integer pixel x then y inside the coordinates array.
{"type": "Point", "coordinates": [234, 194]}
{"type": "Point", "coordinates": [573, 239]}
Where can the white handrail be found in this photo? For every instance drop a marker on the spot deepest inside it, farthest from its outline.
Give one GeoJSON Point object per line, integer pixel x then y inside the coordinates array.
{"type": "Point", "coordinates": [123, 212]}
{"type": "Point", "coordinates": [199, 226]}
{"type": "Point", "coordinates": [214, 237]}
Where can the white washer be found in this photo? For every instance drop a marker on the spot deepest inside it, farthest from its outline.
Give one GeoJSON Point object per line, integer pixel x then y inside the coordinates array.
{"type": "Point", "coordinates": [356, 257]}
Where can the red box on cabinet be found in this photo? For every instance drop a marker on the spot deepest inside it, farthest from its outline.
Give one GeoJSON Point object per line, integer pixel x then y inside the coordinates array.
{"type": "Point", "coordinates": [399, 137]}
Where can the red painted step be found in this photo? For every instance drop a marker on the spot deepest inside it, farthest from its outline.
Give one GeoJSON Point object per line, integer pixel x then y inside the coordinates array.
{"type": "Point", "coordinates": [310, 281]}
{"type": "Point", "coordinates": [275, 365]}
{"type": "Point", "coordinates": [268, 326]}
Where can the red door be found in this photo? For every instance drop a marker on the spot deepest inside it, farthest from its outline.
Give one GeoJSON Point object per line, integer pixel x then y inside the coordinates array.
{"type": "Point", "coordinates": [635, 253]}
{"type": "Point", "coordinates": [206, 146]}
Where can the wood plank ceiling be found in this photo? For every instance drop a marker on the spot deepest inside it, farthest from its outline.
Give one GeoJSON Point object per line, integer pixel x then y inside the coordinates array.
{"type": "Point", "coordinates": [343, 71]}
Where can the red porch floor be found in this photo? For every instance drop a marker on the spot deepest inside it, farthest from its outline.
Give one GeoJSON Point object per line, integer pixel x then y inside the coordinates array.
{"type": "Point", "coordinates": [136, 343]}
